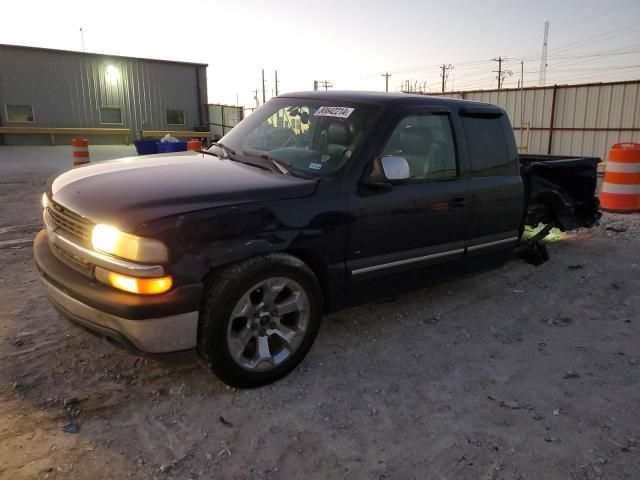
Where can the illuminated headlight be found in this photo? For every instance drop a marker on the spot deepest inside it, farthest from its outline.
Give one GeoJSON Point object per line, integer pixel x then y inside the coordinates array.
{"type": "Point", "coordinates": [45, 201]}
{"type": "Point", "coordinates": [110, 240]}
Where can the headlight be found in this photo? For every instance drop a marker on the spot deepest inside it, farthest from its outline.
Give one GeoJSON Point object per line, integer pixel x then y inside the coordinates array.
{"type": "Point", "coordinates": [45, 200]}
{"type": "Point", "coordinates": [110, 240]}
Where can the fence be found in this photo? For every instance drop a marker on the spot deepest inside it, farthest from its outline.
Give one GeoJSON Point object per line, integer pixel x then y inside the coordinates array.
{"type": "Point", "coordinates": [569, 119]}
{"type": "Point", "coordinates": [223, 118]}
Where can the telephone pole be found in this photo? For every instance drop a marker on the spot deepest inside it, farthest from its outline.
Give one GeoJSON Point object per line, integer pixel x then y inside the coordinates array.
{"type": "Point", "coordinates": [501, 73]}
{"type": "Point", "coordinates": [264, 99]}
{"type": "Point", "coordinates": [277, 83]}
{"type": "Point", "coordinates": [386, 81]}
{"type": "Point", "coordinates": [445, 74]}
{"type": "Point", "coordinates": [325, 83]}
{"type": "Point", "coordinates": [255, 96]}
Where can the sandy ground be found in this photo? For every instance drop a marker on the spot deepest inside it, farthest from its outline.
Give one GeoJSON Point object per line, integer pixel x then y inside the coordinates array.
{"type": "Point", "coordinates": [523, 372]}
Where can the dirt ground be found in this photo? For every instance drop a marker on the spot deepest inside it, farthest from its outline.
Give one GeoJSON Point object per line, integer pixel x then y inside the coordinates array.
{"type": "Point", "coordinates": [523, 372]}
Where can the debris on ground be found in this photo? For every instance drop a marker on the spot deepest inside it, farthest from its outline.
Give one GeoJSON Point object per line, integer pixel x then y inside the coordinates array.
{"type": "Point", "coordinates": [225, 422]}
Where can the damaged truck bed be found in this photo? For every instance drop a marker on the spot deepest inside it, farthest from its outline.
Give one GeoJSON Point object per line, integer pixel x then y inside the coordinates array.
{"type": "Point", "coordinates": [560, 191]}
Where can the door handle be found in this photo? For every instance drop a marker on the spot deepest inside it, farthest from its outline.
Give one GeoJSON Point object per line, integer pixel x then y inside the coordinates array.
{"type": "Point", "coordinates": [458, 202]}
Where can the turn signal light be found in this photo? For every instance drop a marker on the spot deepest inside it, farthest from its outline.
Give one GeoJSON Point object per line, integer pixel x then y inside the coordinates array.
{"type": "Point", "coordinates": [142, 286]}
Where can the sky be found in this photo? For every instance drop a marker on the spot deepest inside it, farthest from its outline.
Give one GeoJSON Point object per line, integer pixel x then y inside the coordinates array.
{"type": "Point", "coordinates": [351, 43]}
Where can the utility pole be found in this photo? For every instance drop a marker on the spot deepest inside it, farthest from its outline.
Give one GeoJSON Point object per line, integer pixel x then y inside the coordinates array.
{"type": "Point", "coordinates": [255, 96]}
{"type": "Point", "coordinates": [325, 83]}
{"type": "Point", "coordinates": [276, 83]}
{"type": "Point", "coordinates": [82, 39]}
{"type": "Point", "coordinates": [521, 73]}
{"type": "Point", "coordinates": [386, 81]}
{"type": "Point", "coordinates": [501, 73]}
{"type": "Point", "coordinates": [445, 74]}
{"type": "Point", "coordinates": [263, 92]}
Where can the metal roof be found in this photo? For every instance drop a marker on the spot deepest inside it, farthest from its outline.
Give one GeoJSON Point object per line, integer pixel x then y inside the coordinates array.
{"type": "Point", "coordinates": [104, 55]}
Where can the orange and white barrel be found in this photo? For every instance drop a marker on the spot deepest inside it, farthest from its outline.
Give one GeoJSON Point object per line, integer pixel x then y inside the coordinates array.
{"type": "Point", "coordinates": [621, 187]}
{"type": "Point", "coordinates": [80, 151]}
{"type": "Point", "coordinates": [194, 144]}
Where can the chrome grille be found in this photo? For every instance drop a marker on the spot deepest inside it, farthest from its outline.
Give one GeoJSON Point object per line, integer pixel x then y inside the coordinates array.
{"type": "Point", "coordinates": [73, 261]}
{"type": "Point", "coordinates": [69, 224]}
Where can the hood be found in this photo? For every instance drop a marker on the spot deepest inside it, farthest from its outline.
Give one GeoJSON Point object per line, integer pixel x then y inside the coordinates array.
{"type": "Point", "coordinates": [136, 190]}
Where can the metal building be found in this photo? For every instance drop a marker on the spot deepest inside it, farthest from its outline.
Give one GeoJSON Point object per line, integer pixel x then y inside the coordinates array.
{"type": "Point", "coordinates": [50, 95]}
{"type": "Point", "coordinates": [581, 119]}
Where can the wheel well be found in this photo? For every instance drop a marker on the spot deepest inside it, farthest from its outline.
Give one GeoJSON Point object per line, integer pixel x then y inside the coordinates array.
{"type": "Point", "coordinates": [318, 268]}
{"type": "Point", "coordinates": [311, 260]}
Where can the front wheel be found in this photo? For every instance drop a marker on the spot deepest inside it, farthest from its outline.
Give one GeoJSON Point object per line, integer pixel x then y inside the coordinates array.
{"type": "Point", "coordinates": [259, 319]}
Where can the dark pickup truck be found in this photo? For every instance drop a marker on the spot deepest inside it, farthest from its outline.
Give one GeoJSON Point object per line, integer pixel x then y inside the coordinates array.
{"type": "Point", "coordinates": [314, 202]}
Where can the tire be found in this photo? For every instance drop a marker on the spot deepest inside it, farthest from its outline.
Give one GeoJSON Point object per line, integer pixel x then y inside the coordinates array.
{"type": "Point", "coordinates": [243, 304]}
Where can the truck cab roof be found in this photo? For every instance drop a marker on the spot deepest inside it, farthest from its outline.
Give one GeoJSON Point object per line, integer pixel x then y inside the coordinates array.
{"type": "Point", "coordinates": [384, 98]}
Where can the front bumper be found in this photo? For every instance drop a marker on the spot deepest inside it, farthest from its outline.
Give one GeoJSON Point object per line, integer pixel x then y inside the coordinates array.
{"type": "Point", "coordinates": [148, 323]}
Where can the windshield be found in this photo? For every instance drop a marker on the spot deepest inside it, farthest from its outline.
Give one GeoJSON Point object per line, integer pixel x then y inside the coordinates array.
{"type": "Point", "coordinates": [314, 136]}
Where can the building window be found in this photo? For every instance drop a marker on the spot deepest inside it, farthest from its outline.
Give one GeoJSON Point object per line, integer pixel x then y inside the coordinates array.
{"type": "Point", "coordinates": [111, 115]}
{"type": "Point", "coordinates": [19, 113]}
{"type": "Point", "coordinates": [175, 117]}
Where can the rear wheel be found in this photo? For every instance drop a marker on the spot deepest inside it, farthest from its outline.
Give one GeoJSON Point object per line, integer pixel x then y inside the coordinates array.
{"type": "Point", "coordinates": [259, 319]}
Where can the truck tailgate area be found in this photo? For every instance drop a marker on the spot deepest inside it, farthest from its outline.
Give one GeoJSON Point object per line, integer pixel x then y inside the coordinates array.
{"type": "Point", "coordinates": [560, 190]}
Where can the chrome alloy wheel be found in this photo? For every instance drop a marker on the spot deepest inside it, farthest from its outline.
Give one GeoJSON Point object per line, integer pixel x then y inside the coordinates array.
{"type": "Point", "coordinates": [268, 324]}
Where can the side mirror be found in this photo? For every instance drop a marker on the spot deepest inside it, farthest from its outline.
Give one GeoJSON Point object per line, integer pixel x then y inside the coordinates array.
{"type": "Point", "coordinates": [387, 171]}
{"type": "Point", "coordinates": [395, 168]}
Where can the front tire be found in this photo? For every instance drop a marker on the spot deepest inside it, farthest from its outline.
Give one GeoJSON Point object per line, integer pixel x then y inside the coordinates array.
{"type": "Point", "coordinates": [259, 318]}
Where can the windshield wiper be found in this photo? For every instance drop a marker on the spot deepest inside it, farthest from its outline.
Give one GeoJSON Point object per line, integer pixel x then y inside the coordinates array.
{"type": "Point", "coordinates": [228, 151]}
{"type": "Point", "coordinates": [281, 166]}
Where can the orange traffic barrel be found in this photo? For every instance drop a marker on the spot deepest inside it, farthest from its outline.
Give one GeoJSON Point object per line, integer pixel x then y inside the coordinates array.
{"type": "Point", "coordinates": [621, 187]}
{"type": "Point", "coordinates": [80, 151]}
{"type": "Point", "coordinates": [194, 144]}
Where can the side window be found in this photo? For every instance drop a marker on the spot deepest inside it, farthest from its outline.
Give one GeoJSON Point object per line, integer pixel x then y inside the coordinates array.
{"type": "Point", "coordinates": [426, 141]}
{"type": "Point", "coordinates": [488, 146]}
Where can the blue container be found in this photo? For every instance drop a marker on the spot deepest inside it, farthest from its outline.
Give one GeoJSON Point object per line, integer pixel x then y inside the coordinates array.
{"type": "Point", "coordinates": [145, 147]}
{"type": "Point", "coordinates": [171, 147]}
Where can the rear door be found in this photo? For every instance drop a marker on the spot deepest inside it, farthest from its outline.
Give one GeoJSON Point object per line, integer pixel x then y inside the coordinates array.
{"type": "Point", "coordinates": [413, 232]}
{"type": "Point", "coordinates": [496, 197]}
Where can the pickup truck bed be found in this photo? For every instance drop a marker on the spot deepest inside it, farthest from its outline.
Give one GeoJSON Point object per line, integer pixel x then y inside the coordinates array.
{"type": "Point", "coordinates": [560, 191]}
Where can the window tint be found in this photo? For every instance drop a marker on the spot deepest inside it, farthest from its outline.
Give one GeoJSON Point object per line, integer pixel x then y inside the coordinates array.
{"type": "Point", "coordinates": [111, 115]}
{"type": "Point", "coordinates": [175, 117]}
{"type": "Point", "coordinates": [488, 149]}
{"type": "Point", "coordinates": [426, 142]}
{"type": "Point", "coordinates": [19, 113]}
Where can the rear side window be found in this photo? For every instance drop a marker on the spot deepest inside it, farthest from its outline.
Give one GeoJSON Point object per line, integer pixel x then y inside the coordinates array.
{"type": "Point", "coordinates": [488, 146]}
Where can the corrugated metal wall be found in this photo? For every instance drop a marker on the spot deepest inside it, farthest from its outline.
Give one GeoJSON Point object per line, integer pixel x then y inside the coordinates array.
{"type": "Point", "coordinates": [67, 89]}
{"type": "Point", "coordinates": [585, 120]}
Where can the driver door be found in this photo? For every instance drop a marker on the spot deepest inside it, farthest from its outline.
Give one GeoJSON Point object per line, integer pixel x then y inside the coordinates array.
{"type": "Point", "coordinates": [413, 232]}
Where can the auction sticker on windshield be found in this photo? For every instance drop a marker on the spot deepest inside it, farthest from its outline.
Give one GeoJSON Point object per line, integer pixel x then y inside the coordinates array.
{"type": "Point", "coordinates": [339, 112]}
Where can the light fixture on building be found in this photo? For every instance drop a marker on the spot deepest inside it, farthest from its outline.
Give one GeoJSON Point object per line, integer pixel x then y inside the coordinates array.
{"type": "Point", "coordinates": [113, 74]}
